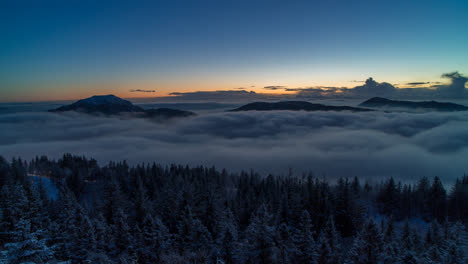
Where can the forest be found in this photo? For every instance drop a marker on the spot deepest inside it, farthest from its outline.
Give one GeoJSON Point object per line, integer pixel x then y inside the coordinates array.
{"type": "Point", "coordinates": [151, 213]}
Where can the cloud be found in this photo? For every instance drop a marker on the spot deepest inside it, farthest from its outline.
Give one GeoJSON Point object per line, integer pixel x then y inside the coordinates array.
{"type": "Point", "coordinates": [315, 88]}
{"type": "Point", "coordinates": [215, 95]}
{"type": "Point", "coordinates": [436, 91]}
{"type": "Point", "coordinates": [373, 88]}
{"type": "Point", "coordinates": [457, 86]}
{"type": "Point", "coordinates": [456, 77]}
{"type": "Point", "coordinates": [373, 145]}
{"type": "Point", "coordinates": [370, 88]}
{"type": "Point", "coordinates": [142, 91]}
{"type": "Point", "coordinates": [274, 87]}
{"type": "Point", "coordinates": [231, 96]}
{"type": "Point", "coordinates": [417, 83]}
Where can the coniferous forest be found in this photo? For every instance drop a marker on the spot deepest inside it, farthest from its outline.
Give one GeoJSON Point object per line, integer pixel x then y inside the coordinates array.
{"type": "Point", "coordinates": [178, 214]}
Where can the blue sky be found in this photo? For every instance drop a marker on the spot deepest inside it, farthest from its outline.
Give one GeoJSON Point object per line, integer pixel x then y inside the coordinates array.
{"type": "Point", "coordinates": [70, 49]}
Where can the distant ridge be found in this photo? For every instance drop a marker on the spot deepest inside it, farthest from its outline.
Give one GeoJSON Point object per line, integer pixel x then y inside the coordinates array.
{"type": "Point", "coordinates": [113, 105]}
{"type": "Point", "coordinates": [379, 102]}
{"type": "Point", "coordinates": [296, 106]}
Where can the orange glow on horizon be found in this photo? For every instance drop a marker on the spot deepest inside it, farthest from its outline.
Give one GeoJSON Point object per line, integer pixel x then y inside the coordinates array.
{"type": "Point", "coordinates": [135, 89]}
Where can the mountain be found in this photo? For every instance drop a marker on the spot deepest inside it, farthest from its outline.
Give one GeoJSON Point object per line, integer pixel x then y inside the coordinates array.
{"type": "Point", "coordinates": [296, 106]}
{"type": "Point", "coordinates": [379, 102]}
{"type": "Point", "coordinates": [101, 104]}
{"type": "Point", "coordinates": [113, 105]}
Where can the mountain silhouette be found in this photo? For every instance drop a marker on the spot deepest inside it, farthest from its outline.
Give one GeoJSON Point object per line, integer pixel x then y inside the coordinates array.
{"type": "Point", "coordinates": [379, 102]}
{"type": "Point", "coordinates": [296, 106]}
{"type": "Point", "coordinates": [102, 104]}
{"type": "Point", "coordinates": [113, 105]}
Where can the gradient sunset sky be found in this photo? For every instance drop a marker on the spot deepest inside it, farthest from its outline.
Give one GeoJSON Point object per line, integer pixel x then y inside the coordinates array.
{"type": "Point", "coordinates": [54, 50]}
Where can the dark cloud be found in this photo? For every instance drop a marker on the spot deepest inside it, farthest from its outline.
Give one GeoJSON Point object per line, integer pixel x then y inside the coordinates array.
{"type": "Point", "coordinates": [228, 92]}
{"type": "Point", "coordinates": [417, 83]}
{"type": "Point", "coordinates": [370, 88]}
{"type": "Point", "coordinates": [214, 95]}
{"type": "Point", "coordinates": [373, 88]}
{"type": "Point", "coordinates": [454, 90]}
{"type": "Point", "coordinates": [142, 91]}
{"type": "Point", "coordinates": [274, 87]}
{"type": "Point", "coordinates": [302, 89]}
{"type": "Point", "coordinates": [222, 96]}
{"type": "Point", "coordinates": [316, 88]}
{"type": "Point", "coordinates": [403, 145]}
{"type": "Point", "coordinates": [420, 83]}
{"type": "Point", "coordinates": [457, 86]}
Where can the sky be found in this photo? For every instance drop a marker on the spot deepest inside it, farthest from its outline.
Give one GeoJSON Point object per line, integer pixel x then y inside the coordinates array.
{"type": "Point", "coordinates": [63, 50]}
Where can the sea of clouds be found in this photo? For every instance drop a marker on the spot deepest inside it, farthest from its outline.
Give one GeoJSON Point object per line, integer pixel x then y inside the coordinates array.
{"type": "Point", "coordinates": [373, 145]}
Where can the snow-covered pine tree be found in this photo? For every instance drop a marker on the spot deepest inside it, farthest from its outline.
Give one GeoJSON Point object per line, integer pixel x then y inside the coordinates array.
{"type": "Point", "coordinates": [260, 237]}
{"type": "Point", "coordinates": [304, 240]}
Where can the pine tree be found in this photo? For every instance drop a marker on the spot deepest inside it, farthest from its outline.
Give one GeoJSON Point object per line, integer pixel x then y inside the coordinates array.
{"type": "Point", "coordinates": [389, 198]}
{"type": "Point", "coordinates": [324, 251]}
{"type": "Point", "coordinates": [285, 244]}
{"type": "Point", "coordinates": [438, 200]}
{"type": "Point", "coordinates": [122, 233]}
{"type": "Point", "coordinates": [104, 239]}
{"type": "Point", "coordinates": [15, 224]}
{"type": "Point", "coordinates": [193, 236]}
{"type": "Point", "coordinates": [260, 237]}
{"type": "Point", "coordinates": [457, 244]}
{"type": "Point", "coordinates": [305, 243]}
{"type": "Point", "coordinates": [406, 240]}
{"type": "Point", "coordinates": [333, 240]}
{"type": "Point", "coordinates": [458, 208]}
{"type": "Point", "coordinates": [227, 240]}
{"type": "Point", "coordinates": [84, 239]}
{"type": "Point", "coordinates": [178, 214]}
{"type": "Point", "coordinates": [368, 245]}
{"type": "Point", "coordinates": [422, 198]}
{"type": "Point", "coordinates": [22, 235]}
{"type": "Point", "coordinates": [391, 250]}
{"type": "Point", "coordinates": [155, 239]}
{"type": "Point", "coordinates": [5, 176]}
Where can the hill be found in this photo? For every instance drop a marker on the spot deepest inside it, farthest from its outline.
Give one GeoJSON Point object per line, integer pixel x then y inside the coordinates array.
{"type": "Point", "coordinates": [113, 105]}
{"type": "Point", "coordinates": [296, 106]}
{"type": "Point", "coordinates": [379, 102]}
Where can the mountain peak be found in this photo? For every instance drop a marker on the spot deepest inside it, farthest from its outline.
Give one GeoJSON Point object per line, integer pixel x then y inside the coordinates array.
{"type": "Point", "coordinates": [113, 105]}
{"type": "Point", "coordinates": [104, 99]}
{"type": "Point", "coordinates": [105, 104]}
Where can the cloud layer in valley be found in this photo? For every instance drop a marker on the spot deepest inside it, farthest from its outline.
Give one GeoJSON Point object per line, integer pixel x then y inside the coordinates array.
{"type": "Point", "coordinates": [331, 144]}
